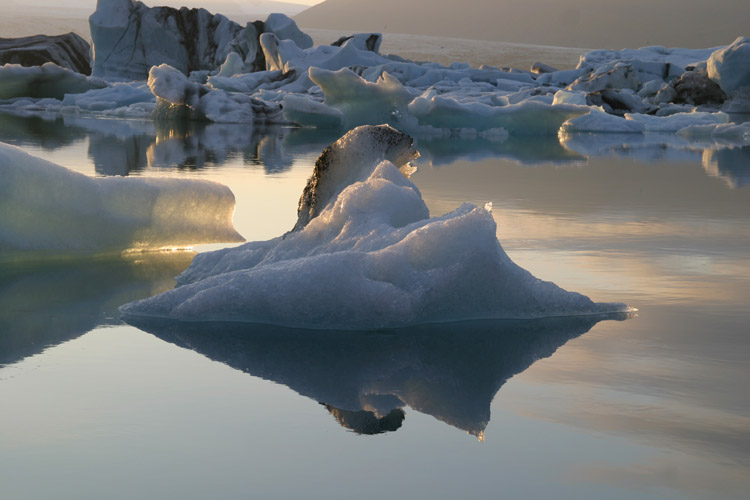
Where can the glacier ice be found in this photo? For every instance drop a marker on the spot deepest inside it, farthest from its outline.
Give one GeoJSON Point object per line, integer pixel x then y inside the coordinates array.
{"type": "Point", "coordinates": [46, 209]}
{"type": "Point", "coordinates": [47, 80]}
{"type": "Point", "coordinates": [177, 95]}
{"type": "Point", "coordinates": [129, 38]}
{"type": "Point", "coordinates": [371, 258]}
{"type": "Point", "coordinates": [270, 72]}
{"type": "Point", "coordinates": [68, 51]}
{"type": "Point", "coordinates": [730, 66]}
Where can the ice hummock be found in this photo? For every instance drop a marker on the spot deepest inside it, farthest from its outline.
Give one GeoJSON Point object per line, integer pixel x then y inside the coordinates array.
{"type": "Point", "coordinates": [46, 209]}
{"type": "Point", "coordinates": [371, 258]}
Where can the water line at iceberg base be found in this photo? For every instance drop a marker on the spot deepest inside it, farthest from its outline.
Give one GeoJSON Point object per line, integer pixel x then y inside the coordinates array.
{"type": "Point", "coordinates": [364, 255]}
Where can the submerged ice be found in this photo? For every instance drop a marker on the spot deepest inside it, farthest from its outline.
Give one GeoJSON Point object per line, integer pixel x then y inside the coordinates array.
{"type": "Point", "coordinates": [371, 257]}
{"type": "Point", "coordinates": [46, 209]}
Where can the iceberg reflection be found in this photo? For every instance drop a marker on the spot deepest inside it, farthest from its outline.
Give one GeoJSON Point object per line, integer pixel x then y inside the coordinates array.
{"type": "Point", "coordinates": [450, 371]}
{"type": "Point", "coordinates": [45, 304]}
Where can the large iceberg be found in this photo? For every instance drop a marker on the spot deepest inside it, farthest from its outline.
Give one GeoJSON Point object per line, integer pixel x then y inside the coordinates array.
{"type": "Point", "coordinates": [129, 38]}
{"type": "Point", "coordinates": [46, 209]}
{"type": "Point", "coordinates": [371, 258]}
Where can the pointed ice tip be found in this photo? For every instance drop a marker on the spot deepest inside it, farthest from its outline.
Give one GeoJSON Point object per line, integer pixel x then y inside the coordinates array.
{"type": "Point", "coordinates": [488, 206]}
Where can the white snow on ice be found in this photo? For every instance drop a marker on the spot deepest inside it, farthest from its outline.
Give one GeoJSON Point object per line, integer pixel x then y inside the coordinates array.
{"type": "Point", "coordinates": [372, 258]}
{"type": "Point", "coordinates": [46, 209]}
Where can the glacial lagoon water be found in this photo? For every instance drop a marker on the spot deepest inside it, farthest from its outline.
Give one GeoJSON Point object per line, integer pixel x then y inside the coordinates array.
{"type": "Point", "coordinates": [653, 406]}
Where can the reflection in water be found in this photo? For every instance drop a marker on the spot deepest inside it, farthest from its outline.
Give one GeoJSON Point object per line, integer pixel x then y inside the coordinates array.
{"type": "Point", "coordinates": [45, 304]}
{"type": "Point", "coordinates": [525, 150]}
{"type": "Point", "coordinates": [113, 155]}
{"type": "Point", "coordinates": [730, 164]}
{"type": "Point", "coordinates": [119, 147]}
{"type": "Point", "coordinates": [46, 133]}
{"type": "Point", "coordinates": [367, 422]}
{"type": "Point", "coordinates": [720, 157]}
{"type": "Point", "coordinates": [450, 371]}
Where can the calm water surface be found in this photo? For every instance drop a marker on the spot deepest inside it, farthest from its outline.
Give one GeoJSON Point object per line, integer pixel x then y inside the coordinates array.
{"type": "Point", "coordinates": [654, 406]}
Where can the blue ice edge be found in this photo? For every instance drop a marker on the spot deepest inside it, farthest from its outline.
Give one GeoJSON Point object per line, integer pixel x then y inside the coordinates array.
{"type": "Point", "coordinates": [364, 255]}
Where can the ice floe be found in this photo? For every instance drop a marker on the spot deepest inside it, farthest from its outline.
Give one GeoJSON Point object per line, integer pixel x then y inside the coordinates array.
{"type": "Point", "coordinates": [369, 257]}
{"type": "Point", "coordinates": [49, 210]}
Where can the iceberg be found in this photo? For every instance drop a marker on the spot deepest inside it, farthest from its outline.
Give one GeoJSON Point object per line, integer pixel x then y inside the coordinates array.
{"type": "Point", "coordinates": [47, 80]}
{"type": "Point", "coordinates": [49, 210]}
{"type": "Point", "coordinates": [129, 38]}
{"type": "Point", "coordinates": [730, 66]}
{"type": "Point", "coordinates": [43, 304]}
{"type": "Point", "coordinates": [68, 51]}
{"type": "Point", "coordinates": [371, 257]}
{"type": "Point", "coordinates": [176, 96]}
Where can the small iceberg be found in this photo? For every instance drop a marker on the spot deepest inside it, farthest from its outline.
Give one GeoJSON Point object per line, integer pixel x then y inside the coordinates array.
{"type": "Point", "coordinates": [365, 254]}
{"type": "Point", "coordinates": [49, 210]}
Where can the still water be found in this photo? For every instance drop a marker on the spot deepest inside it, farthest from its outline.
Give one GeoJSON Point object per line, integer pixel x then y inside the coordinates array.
{"type": "Point", "coordinates": [654, 406]}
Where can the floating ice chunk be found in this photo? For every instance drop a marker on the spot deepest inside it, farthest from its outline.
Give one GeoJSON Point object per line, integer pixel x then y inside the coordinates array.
{"type": "Point", "coordinates": [619, 76]}
{"type": "Point", "coordinates": [529, 117]}
{"type": "Point", "coordinates": [677, 121]}
{"type": "Point", "coordinates": [286, 29]}
{"type": "Point", "coordinates": [250, 83]}
{"type": "Point", "coordinates": [362, 102]}
{"type": "Point", "coordinates": [568, 97]}
{"type": "Point", "coordinates": [371, 259]}
{"type": "Point", "coordinates": [674, 60]}
{"type": "Point", "coordinates": [352, 159]}
{"type": "Point", "coordinates": [306, 111]}
{"type": "Point", "coordinates": [730, 66]}
{"type": "Point", "coordinates": [730, 132]}
{"type": "Point", "coordinates": [132, 95]}
{"type": "Point", "coordinates": [600, 122]}
{"type": "Point", "coordinates": [179, 95]}
{"type": "Point", "coordinates": [48, 209]}
{"type": "Point", "coordinates": [67, 51]}
{"type": "Point", "coordinates": [286, 56]}
{"type": "Point", "coordinates": [47, 80]}
{"type": "Point", "coordinates": [362, 41]}
{"type": "Point", "coordinates": [233, 65]}
{"type": "Point", "coordinates": [129, 37]}
{"type": "Point", "coordinates": [562, 78]}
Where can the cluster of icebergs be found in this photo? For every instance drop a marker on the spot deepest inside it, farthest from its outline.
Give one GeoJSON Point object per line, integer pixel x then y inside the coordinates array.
{"type": "Point", "coordinates": [168, 63]}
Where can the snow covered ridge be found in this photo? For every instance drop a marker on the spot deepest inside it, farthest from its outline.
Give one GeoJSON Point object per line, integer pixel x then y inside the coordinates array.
{"type": "Point", "coordinates": [49, 210]}
{"type": "Point", "coordinates": [204, 66]}
{"type": "Point", "coordinates": [371, 258]}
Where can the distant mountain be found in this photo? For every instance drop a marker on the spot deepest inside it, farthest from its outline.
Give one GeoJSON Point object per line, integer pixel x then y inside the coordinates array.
{"type": "Point", "coordinates": [572, 23]}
